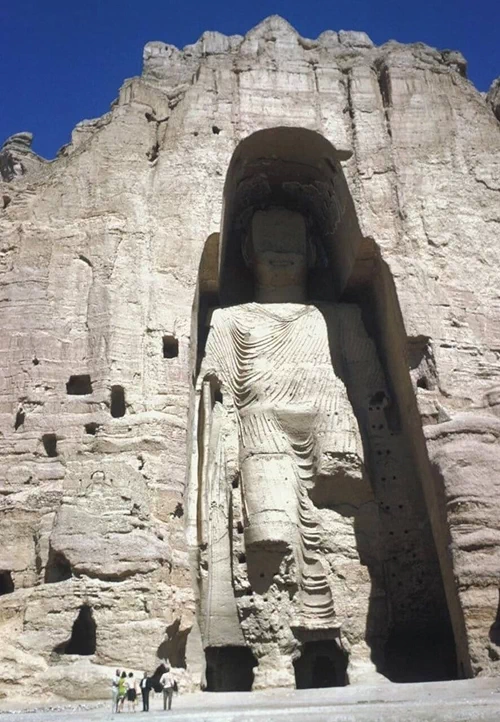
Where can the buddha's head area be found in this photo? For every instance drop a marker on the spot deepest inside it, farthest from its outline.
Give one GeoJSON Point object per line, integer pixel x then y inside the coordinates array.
{"type": "Point", "coordinates": [278, 253]}
{"type": "Point", "coordinates": [285, 188]}
{"type": "Point", "coordinates": [286, 614]}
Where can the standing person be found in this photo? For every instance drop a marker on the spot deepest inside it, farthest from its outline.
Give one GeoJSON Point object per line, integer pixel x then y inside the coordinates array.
{"type": "Point", "coordinates": [114, 691]}
{"type": "Point", "coordinates": [131, 692]}
{"type": "Point", "coordinates": [168, 682]}
{"type": "Point", "coordinates": [122, 691]}
{"type": "Point", "coordinates": [145, 685]}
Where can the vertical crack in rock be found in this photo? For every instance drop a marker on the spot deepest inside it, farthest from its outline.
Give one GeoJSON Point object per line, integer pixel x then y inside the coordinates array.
{"type": "Point", "coordinates": [154, 152]}
{"type": "Point", "coordinates": [384, 84]}
{"type": "Point", "coordinates": [85, 260]}
{"type": "Point", "coordinates": [350, 107]}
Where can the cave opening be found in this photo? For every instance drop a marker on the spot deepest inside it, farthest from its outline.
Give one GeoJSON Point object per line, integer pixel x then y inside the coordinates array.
{"type": "Point", "coordinates": [173, 648]}
{"type": "Point", "coordinates": [20, 419]}
{"type": "Point", "coordinates": [170, 347]}
{"type": "Point", "coordinates": [49, 442]}
{"type": "Point", "coordinates": [6, 583]}
{"type": "Point", "coordinates": [118, 405]}
{"type": "Point", "coordinates": [79, 385]}
{"type": "Point", "coordinates": [229, 669]}
{"type": "Point", "coordinates": [58, 568]}
{"type": "Point", "coordinates": [321, 664]}
{"type": "Point", "coordinates": [495, 627]}
{"type": "Point", "coordinates": [92, 428]}
{"type": "Point", "coordinates": [422, 654]}
{"type": "Point", "coordinates": [83, 634]}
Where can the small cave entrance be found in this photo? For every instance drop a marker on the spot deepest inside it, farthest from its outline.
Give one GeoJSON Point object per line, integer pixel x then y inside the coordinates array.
{"type": "Point", "coordinates": [20, 419]}
{"type": "Point", "coordinates": [6, 583]}
{"type": "Point", "coordinates": [321, 664]}
{"type": "Point", "coordinates": [426, 654]}
{"type": "Point", "coordinates": [229, 669]}
{"type": "Point", "coordinates": [118, 405]}
{"type": "Point", "coordinates": [49, 442]}
{"type": "Point", "coordinates": [495, 627]}
{"type": "Point", "coordinates": [83, 635]}
{"type": "Point", "coordinates": [173, 648]}
{"type": "Point", "coordinates": [170, 347]}
{"type": "Point", "coordinates": [92, 428]}
{"type": "Point", "coordinates": [58, 568]}
{"type": "Point", "coordinates": [79, 385]}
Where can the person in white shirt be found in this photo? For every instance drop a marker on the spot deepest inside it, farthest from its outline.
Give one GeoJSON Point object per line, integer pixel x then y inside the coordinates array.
{"type": "Point", "coordinates": [167, 681]}
{"type": "Point", "coordinates": [131, 692]}
{"type": "Point", "coordinates": [114, 691]}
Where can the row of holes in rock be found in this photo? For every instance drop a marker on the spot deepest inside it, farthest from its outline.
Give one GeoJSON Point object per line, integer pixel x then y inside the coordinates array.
{"type": "Point", "coordinates": [117, 408]}
{"type": "Point", "coordinates": [81, 385]}
{"type": "Point", "coordinates": [49, 441]}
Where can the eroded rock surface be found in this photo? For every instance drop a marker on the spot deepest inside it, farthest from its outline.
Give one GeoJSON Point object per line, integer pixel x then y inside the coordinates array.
{"type": "Point", "coordinates": [100, 253]}
{"type": "Point", "coordinates": [465, 453]}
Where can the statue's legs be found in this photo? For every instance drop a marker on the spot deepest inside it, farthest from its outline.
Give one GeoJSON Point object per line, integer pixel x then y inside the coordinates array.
{"type": "Point", "coordinates": [274, 670]}
{"type": "Point", "coordinates": [279, 515]}
{"type": "Point", "coordinates": [269, 486]}
{"type": "Point", "coordinates": [272, 535]}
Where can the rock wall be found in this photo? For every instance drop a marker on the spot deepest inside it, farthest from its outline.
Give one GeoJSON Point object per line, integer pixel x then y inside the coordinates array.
{"type": "Point", "coordinates": [100, 250]}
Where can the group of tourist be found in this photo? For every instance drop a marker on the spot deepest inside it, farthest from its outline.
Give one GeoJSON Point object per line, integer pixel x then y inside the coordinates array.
{"type": "Point", "coordinates": [125, 689]}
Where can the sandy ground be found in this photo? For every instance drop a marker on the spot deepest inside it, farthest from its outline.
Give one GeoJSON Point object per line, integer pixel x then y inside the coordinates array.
{"type": "Point", "coordinates": [465, 701]}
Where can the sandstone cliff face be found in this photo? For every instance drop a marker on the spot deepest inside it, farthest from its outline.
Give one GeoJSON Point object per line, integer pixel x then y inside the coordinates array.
{"type": "Point", "coordinates": [99, 252]}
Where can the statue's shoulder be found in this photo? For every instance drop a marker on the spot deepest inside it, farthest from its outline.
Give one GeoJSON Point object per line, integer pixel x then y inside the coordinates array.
{"type": "Point", "coordinates": [340, 312]}
{"type": "Point", "coordinates": [227, 315]}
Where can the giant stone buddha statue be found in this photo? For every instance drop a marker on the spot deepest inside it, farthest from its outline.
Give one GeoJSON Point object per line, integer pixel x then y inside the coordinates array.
{"type": "Point", "coordinates": [278, 481]}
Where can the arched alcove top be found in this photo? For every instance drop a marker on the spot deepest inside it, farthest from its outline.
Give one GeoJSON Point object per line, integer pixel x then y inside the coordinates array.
{"type": "Point", "coordinates": [290, 143]}
{"type": "Point", "coordinates": [299, 169]}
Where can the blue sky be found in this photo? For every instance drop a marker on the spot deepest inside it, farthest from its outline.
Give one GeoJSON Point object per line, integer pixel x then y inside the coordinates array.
{"type": "Point", "coordinates": [64, 60]}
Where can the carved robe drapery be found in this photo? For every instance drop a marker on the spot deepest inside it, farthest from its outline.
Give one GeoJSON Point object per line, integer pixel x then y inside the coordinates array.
{"type": "Point", "coordinates": [275, 421]}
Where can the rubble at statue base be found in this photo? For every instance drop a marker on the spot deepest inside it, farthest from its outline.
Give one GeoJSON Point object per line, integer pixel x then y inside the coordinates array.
{"type": "Point", "coordinates": [250, 392]}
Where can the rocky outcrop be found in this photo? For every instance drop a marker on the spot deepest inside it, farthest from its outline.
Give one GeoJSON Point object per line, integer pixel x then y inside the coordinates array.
{"type": "Point", "coordinates": [17, 158]}
{"type": "Point", "coordinates": [100, 253]}
{"type": "Point", "coordinates": [493, 97]}
{"type": "Point", "coordinates": [465, 453]}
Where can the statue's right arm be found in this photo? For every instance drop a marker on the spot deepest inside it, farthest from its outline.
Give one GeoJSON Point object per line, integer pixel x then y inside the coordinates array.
{"type": "Point", "coordinates": [217, 348]}
{"type": "Point", "coordinates": [212, 376]}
